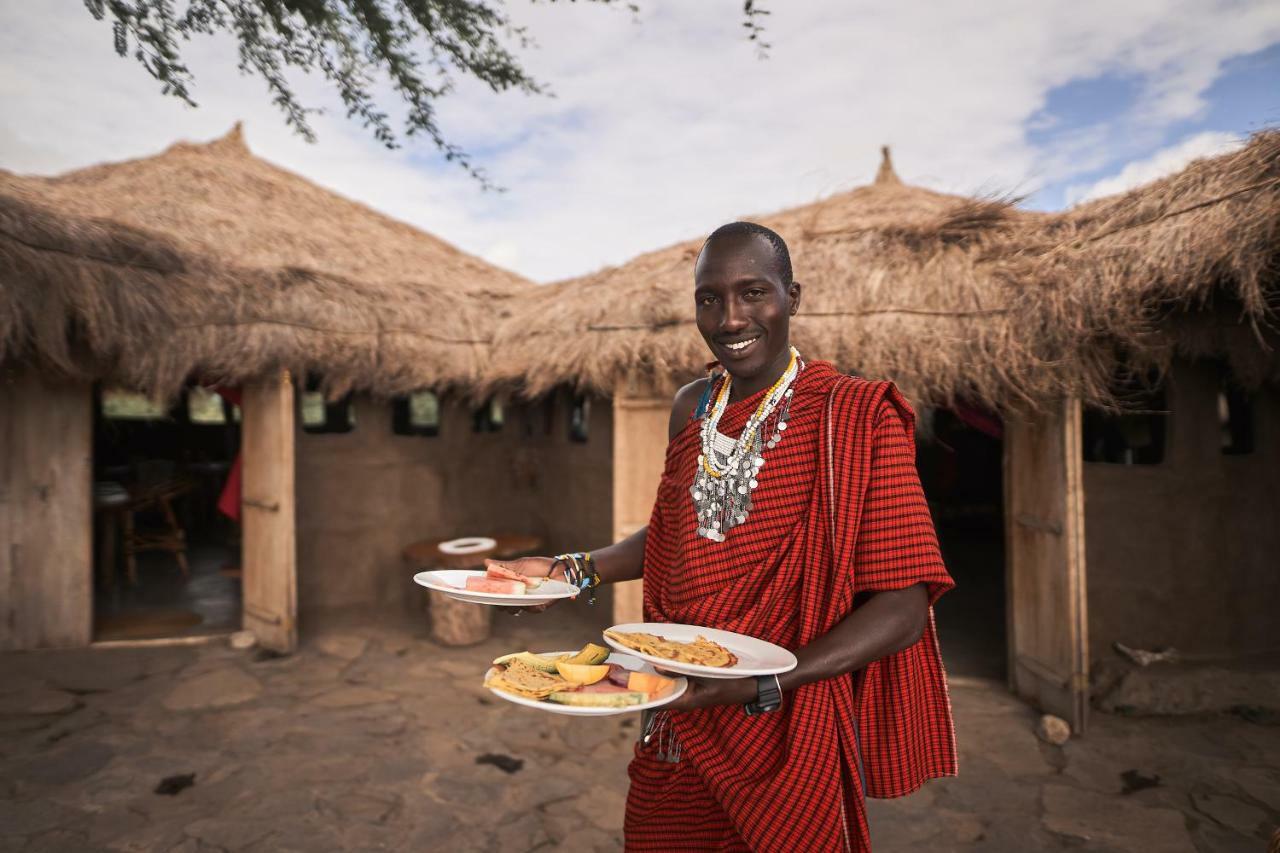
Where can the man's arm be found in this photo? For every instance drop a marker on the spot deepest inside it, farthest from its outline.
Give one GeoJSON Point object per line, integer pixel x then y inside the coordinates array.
{"type": "Point", "coordinates": [885, 624]}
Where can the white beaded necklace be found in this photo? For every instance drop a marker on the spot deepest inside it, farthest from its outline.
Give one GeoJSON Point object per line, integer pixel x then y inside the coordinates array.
{"type": "Point", "coordinates": [722, 487]}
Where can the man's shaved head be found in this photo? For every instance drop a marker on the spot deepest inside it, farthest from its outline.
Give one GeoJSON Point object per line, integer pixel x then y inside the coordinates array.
{"type": "Point", "coordinates": [736, 231]}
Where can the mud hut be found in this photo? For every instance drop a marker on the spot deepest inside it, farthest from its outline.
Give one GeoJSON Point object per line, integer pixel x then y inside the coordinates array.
{"type": "Point", "coordinates": [353, 339]}
{"type": "Point", "coordinates": [1061, 337]}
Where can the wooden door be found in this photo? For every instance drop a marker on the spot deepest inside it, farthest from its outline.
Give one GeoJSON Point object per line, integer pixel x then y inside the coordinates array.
{"type": "Point", "coordinates": [269, 558]}
{"type": "Point", "coordinates": [639, 451]}
{"type": "Point", "coordinates": [46, 513]}
{"type": "Point", "coordinates": [1045, 566]}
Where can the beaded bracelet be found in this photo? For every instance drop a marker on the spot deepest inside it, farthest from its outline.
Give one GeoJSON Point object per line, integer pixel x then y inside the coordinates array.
{"type": "Point", "coordinates": [580, 571]}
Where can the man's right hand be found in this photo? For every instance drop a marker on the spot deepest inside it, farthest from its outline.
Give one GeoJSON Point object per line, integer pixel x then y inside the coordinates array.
{"type": "Point", "coordinates": [532, 567]}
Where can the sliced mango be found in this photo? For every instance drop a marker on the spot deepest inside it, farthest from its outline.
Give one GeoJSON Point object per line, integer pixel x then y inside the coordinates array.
{"type": "Point", "coordinates": [581, 673]}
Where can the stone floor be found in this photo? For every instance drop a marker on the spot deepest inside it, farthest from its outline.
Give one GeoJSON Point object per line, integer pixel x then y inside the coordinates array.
{"type": "Point", "coordinates": [373, 738]}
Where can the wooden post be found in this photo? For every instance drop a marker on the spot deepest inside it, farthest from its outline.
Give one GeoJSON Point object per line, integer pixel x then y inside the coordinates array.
{"type": "Point", "coordinates": [269, 558]}
{"type": "Point", "coordinates": [639, 450]}
{"type": "Point", "coordinates": [46, 513]}
{"type": "Point", "coordinates": [1045, 564]}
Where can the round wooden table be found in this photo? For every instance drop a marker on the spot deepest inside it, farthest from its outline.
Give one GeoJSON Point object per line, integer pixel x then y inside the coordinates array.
{"type": "Point", "coordinates": [459, 623]}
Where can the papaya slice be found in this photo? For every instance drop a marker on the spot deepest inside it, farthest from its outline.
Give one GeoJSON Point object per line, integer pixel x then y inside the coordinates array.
{"type": "Point", "coordinates": [648, 682]}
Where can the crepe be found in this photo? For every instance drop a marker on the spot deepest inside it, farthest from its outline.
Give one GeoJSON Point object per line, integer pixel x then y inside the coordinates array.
{"type": "Point", "coordinates": [520, 679]}
{"type": "Point", "coordinates": [701, 651]}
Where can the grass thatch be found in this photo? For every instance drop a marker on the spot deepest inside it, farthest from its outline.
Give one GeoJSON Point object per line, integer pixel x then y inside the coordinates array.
{"type": "Point", "coordinates": [954, 298]}
{"type": "Point", "coordinates": [93, 299]}
{"type": "Point", "coordinates": [206, 261]}
{"type": "Point", "coordinates": [123, 273]}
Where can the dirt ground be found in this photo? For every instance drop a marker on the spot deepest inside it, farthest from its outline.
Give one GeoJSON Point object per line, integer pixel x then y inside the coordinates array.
{"type": "Point", "coordinates": [373, 738]}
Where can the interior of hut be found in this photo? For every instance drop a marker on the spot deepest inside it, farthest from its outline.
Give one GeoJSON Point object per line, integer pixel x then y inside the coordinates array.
{"type": "Point", "coordinates": [166, 559]}
{"type": "Point", "coordinates": [959, 455]}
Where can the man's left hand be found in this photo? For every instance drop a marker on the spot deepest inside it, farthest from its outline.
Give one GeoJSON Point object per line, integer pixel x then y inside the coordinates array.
{"type": "Point", "coordinates": [708, 692]}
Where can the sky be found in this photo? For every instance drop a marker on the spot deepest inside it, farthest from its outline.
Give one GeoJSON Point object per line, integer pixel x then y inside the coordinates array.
{"type": "Point", "coordinates": [666, 122]}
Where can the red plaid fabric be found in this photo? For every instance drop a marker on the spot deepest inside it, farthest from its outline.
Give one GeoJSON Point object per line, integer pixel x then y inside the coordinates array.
{"type": "Point", "coordinates": [795, 779]}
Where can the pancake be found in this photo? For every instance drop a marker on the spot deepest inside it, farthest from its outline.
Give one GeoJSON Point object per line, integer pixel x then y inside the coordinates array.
{"type": "Point", "coordinates": [520, 679]}
{"type": "Point", "coordinates": [701, 651]}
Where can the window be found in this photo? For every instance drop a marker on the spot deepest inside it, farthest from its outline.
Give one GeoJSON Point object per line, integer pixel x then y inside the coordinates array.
{"type": "Point", "coordinates": [118, 405]}
{"type": "Point", "coordinates": [1235, 419]}
{"type": "Point", "coordinates": [488, 418]}
{"type": "Point", "coordinates": [1135, 435]}
{"type": "Point", "coordinates": [580, 419]}
{"type": "Point", "coordinates": [319, 416]}
{"type": "Point", "coordinates": [205, 406]}
{"type": "Point", "coordinates": [417, 414]}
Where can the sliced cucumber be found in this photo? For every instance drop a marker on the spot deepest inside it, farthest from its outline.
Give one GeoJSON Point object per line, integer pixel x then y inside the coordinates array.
{"type": "Point", "coordinates": [599, 700]}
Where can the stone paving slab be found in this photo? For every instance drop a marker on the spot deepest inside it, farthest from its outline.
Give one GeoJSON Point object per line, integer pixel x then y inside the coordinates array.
{"type": "Point", "coordinates": [367, 739]}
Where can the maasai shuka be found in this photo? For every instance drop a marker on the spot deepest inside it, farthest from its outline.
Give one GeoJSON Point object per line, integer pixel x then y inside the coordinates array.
{"type": "Point", "coordinates": [838, 513]}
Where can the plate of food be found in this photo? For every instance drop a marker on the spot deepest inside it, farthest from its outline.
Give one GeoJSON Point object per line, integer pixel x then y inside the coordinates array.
{"type": "Point", "coordinates": [592, 682]}
{"type": "Point", "coordinates": [705, 652]}
{"type": "Point", "coordinates": [495, 585]}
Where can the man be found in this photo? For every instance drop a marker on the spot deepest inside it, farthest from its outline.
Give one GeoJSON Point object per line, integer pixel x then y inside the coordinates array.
{"type": "Point", "coordinates": [789, 509]}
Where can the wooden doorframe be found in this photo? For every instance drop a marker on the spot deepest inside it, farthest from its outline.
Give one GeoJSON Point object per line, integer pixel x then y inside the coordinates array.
{"type": "Point", "coordinates": [46, 512]}
{"type": "Point", "coordinates": [269, 557]}
{"type": "Point", "coordinates": [1045, 570]}
{"type": "Point", "coordinates": [639, 452]}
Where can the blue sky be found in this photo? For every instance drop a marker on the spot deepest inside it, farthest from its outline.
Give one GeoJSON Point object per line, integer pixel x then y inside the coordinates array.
{"type": "Point", "coordinates": [1243, 99]}
{"type": "Point", "coordinates": [666, 123]}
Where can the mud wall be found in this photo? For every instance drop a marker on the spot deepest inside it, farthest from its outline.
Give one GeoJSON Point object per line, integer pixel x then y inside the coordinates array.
{"type": "Point", "coordinates": [1183, 552]}
{"type": "Point", "coordinates": [363, 496]}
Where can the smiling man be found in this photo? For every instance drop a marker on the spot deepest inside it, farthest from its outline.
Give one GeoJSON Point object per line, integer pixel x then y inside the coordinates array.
{"type": "Point", "coordinates": [790, 510]}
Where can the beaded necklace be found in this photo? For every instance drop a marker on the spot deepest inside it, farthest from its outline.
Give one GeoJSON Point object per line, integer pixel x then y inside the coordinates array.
{"type": "Point", "coordinates": [722, 487]}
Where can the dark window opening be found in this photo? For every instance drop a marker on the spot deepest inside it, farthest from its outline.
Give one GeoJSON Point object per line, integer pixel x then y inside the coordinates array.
{"type": "Point", "coordinates": [580, 420]}
{"type": "Point", "coordinates": [417, 414]}
{"type": "Point", "coordinates": [319, 415]}
{"type": "Point", "coordinates": [1135, 435]}
{"type": "Point", "coordinates": [488, 418]}
{"type": "Point", "coordinates": [1235, 419]}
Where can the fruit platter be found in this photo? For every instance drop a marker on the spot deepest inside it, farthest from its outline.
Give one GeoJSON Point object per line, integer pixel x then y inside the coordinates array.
{"type": "Point", "coordinates": [495, 586]}
{"type": "Point", "coordinates": [589, 682]}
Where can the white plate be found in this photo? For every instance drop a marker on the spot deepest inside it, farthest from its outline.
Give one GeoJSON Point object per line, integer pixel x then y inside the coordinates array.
{"type": "Point", "coordinates": [452, 583]}
{"type": "Point", "coordinates": [628, 661]}
{"type": "Point", "coordinates": [755, 657]}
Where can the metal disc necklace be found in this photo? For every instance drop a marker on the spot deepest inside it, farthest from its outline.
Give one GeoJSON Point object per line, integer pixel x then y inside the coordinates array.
{"type": "Point", "coordinates": [728, 468]}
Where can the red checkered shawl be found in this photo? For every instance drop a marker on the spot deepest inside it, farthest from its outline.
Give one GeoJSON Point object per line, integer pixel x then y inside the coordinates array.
{"type": "Point", "coordinates": [838, 512]}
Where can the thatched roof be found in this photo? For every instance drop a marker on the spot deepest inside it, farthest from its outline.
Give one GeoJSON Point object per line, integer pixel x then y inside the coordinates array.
{"type": "Point", "coordinates": [219, 200]}
{"type": "Point", "coordinates": [952, 297]}
{"type": "Point", "coordinates": [1188, 264]}
{"type": "Point", "coordinates": [206, 261]}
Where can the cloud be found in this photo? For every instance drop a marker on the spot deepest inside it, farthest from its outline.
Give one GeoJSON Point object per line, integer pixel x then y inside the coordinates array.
{"type": "Point", "coordinates": [665, 123]}
{"type": "Point", "coordinates": [1166, 161]}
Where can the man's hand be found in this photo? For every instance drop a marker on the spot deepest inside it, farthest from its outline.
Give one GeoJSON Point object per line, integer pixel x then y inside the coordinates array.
{"type": "Point", "coordinates": [531, 567]}
{"type": "Point", "coordinates": [708, 692]}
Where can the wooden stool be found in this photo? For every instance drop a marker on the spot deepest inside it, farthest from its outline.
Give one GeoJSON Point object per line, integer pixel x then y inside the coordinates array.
{"type": "Point", "coordinates": [460, 623]}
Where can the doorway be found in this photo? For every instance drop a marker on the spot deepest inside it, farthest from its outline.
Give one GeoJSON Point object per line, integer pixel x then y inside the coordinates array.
{"type": "Point", "coordinates": [167, 560]}
{"type": "Point", "coordinates": [959, 456]}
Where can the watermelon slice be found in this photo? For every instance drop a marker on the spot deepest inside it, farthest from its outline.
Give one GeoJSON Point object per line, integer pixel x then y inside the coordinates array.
{"type": "Point", "coordinates": [500, 573]}
{"type": "Point", "coordinates": [495, 585]}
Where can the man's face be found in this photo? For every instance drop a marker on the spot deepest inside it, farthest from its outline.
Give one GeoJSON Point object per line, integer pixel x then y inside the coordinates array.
{"type": "Point", "coordinates": [743, 308]}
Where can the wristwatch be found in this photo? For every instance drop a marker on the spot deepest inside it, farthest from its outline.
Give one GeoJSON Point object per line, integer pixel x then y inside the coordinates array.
{"type": "Point", "coordinates": [768, 696]}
